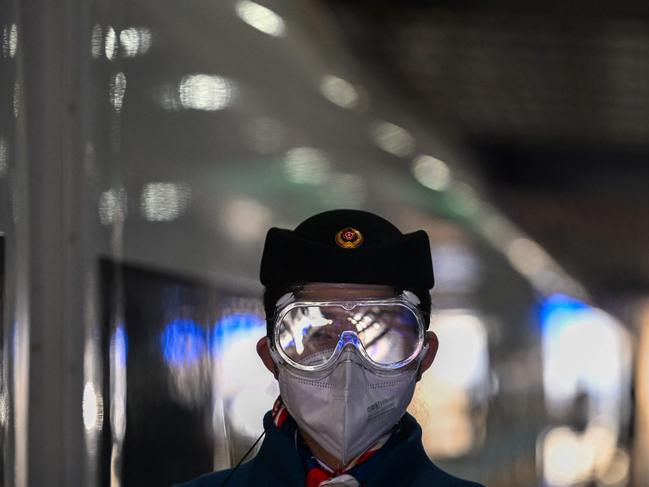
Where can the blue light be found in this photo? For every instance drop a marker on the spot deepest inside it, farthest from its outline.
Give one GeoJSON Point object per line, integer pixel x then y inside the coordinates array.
{"type": "Point", "coordinates": [119, 345]}
{"type": "Point", "coordinates": [230, 325]}
{"type": "Point", "coordinates": [183, 342]}
{"type": "Point", "coordinates": [559, 310]}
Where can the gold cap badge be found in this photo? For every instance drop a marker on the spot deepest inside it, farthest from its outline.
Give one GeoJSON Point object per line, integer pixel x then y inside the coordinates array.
{"type": "Point", "coordinates": [349, 238]}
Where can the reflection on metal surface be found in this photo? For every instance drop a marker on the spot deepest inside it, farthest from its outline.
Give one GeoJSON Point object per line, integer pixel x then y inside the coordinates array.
{"type": "Point", "coordinates": [118, 361]}
{"type": "Point", "coordinates": [112, 206]}
{"type": "Point", "coordinates": [245, 220]}
{"type": "Point", "coordinates": [260, 17]}
{"type": "Point", "coordinates": [16, 102]}
{"type": "Point", "coordinates": [110, 43]}
{"type": "Point", "coordinates": [118, 356]}
{"type": "Point", "coordinates": [5, 41]}
{"type": "Point", "coordinates": [307, 165]}
{"type": "Point", "coordinates": [96, 40]}
{"type": "Point", "coordinates": [160, 375]}
{"type": "Point", "coordinates": [9, 40]}
{"type": "Point", "coordinates": [20, 405]}
{"type": "Point", "coordinates": [183, 343]}
{"type": "Point", "coordinates": [117, 91]}
{"type": "Point", "coordinates": [230, 326]}
{"type": "Point", "coordinates": [393, 139]}
{"type": "Point", "coordinates": [339, 91]}
{"type": "Point", "coordinates": [205, 92]}
{"type": "Point", "coordinates": [431, 172]}
{"type": "Point", "coordinates": [4, 406]}
{"type": "Point", "coordinates": [115, 476]}
{"type": "Point", "coordinates": [164, 201]}
{"type": "Point", "coordinates": [242, 382]}
{"type": "Point", "coordinates": [135, 41]}
{"type": "Point", "coordinates": [185, 352]}
{"type": "Point", "coordinates": [196, 92]}
{"type": "Point", "coordinates": [13, 40]}
{"type": "Point", "coordinates": [93, 407]}
{"type": "Point", "coordinates": [92, 400]}
{"type": "Point", "coordinates": [4, 157]}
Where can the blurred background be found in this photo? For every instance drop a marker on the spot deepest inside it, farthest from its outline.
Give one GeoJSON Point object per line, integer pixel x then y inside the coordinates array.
{"type": "Point", "coordinates": [146, 147]}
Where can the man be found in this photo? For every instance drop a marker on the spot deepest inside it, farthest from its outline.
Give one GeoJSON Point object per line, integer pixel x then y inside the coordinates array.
{"type": "Point", "coordinates": [347, 305]}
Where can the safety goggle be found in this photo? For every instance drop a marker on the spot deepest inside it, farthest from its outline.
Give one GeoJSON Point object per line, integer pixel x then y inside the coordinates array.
{"type": "Point", "coordinates": [310, 335]}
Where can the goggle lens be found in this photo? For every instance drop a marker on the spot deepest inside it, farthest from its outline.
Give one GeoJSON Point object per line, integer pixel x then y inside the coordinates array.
{"type": "Point", "coordinates": [309, 335]}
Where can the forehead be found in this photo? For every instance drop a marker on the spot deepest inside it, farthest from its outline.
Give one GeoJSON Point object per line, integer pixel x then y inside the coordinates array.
{"type": "Point", "coordinates": [327, 291]}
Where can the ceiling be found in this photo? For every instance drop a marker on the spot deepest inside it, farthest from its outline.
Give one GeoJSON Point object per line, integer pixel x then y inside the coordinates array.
{"type": "Point", "coordinates": [552, 103]}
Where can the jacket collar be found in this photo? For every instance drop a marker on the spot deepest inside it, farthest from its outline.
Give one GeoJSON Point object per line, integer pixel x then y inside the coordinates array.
{"type": "Point", "coordinates": [279, 463]}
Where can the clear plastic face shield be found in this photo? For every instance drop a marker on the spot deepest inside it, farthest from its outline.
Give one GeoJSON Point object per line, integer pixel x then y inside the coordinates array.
{"type": "Point", "coordinates": [310, 335]}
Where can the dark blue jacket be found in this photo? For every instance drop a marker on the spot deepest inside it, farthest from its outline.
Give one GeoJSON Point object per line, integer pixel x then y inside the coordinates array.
{"type": "Point", "coordinates": [278, 464]}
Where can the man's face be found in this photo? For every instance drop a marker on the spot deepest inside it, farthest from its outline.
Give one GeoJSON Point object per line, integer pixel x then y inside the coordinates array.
{"type": "Point", "coordinates": [322, 291]}
{"type": "Point", "coordinates": [306, 400]}
{"type": "Point", "coordinates": [310, 335]}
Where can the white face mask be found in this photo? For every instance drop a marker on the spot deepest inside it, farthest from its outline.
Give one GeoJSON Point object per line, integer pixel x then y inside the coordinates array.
{"type": "Point", "coordinates": [348, 408]}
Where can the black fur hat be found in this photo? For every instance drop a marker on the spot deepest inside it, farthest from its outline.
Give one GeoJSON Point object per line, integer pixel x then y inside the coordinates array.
{"type": "Point", "coordinates": [346, 246]}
